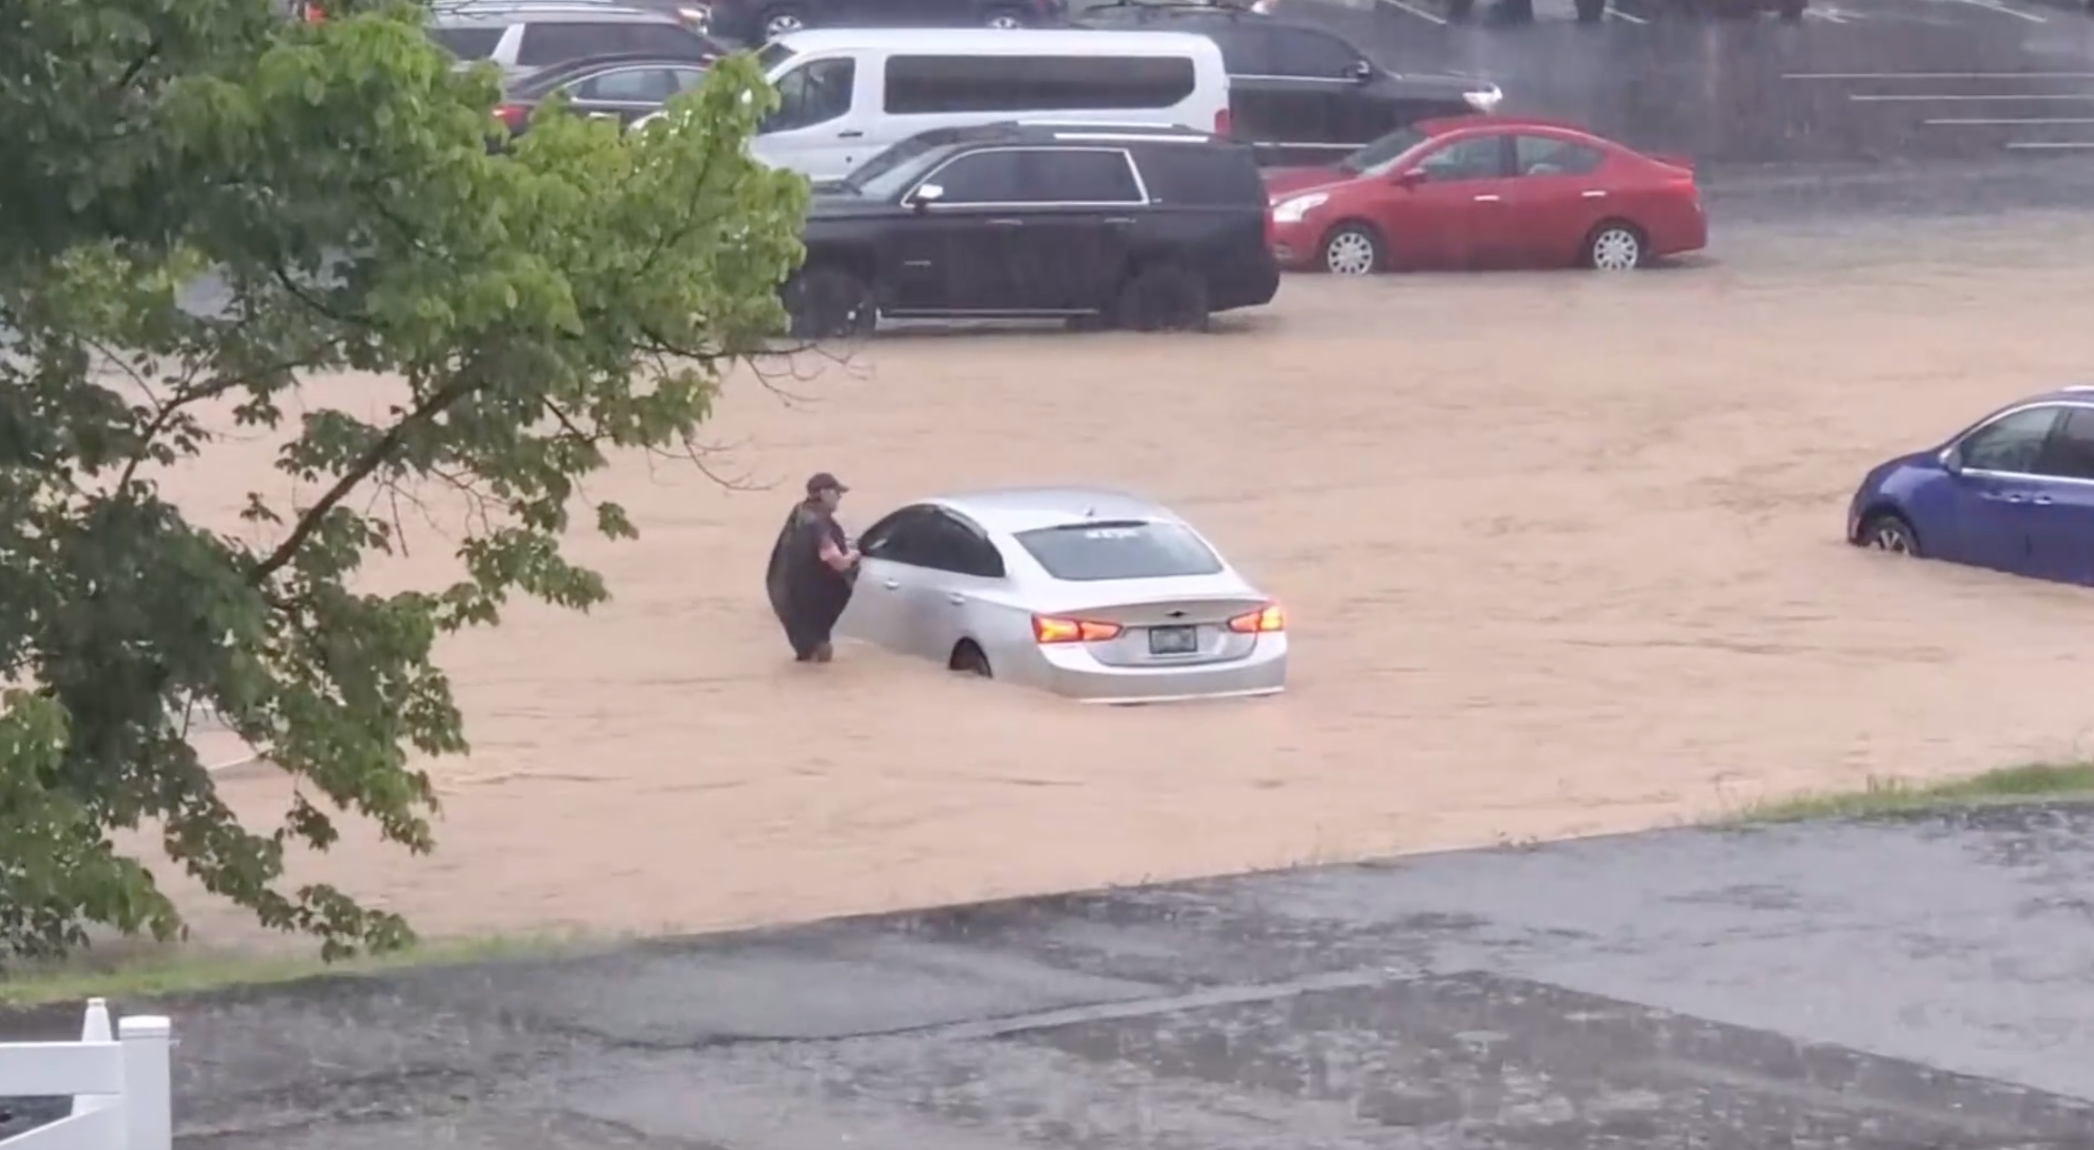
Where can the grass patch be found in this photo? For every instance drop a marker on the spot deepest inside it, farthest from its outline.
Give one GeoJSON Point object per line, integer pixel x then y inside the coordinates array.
{"type": "Point", "coordinates": [133, 971]}
{"type": "Point", "coordinates": [2033, 782]}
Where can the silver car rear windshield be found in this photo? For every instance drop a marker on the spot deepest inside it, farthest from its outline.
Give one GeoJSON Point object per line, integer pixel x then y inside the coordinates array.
{"type": "Point", "coordinates": [1082, 552]}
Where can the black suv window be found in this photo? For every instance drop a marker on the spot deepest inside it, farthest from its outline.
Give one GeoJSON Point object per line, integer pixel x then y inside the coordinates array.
{"type": "Point", "coordinates": [2069, 453]}
{"type": "Point", "coordinates": [1475, 158]}
{"type": "Point", "coordinates": [1080, 176]}
{"type": "Point", "coordinates": [813, 94]}
{"type": "Point", "coordinates": [1312, 55]}
{"type": "Point", "coordinates": [468, 43]}
{"type": "Point", "coordinates": [2009, 443]}
{"type": "Point", "coordinates": [1548, 156]}
{"type": "Point", "coordinates": [1246, 49]}
{"type": "Point", "coordinates": [1202, 174]}
{"type": "Point", "coordinates": [996, 177]}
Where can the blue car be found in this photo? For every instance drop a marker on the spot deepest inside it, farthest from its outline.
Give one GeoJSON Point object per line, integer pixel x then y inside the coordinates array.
{"type": "Point", "coordinates": [2013, 492]}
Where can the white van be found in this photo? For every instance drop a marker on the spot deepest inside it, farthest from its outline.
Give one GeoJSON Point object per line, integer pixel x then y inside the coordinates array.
{"type": "Point", "coordinates": [848, 93]}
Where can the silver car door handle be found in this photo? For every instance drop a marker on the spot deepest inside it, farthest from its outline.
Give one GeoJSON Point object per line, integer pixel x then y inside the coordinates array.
{"type": "Point", "coordinates": [1486, 199]}
{"type": "Point", "coordinates": [891, 584]}
{"type": "Point", "coordinates": [1121, 221]}
{"type": "Point", "coordinates": [1594, 195]}
{"type": "Point", "coordinates": [1006, 223]}
{"type": "Point", "coordinates": [956, 599]}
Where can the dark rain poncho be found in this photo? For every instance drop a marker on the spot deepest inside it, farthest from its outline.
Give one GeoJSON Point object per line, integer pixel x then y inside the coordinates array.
{"type": "Point", "coordinates": [807, 594]}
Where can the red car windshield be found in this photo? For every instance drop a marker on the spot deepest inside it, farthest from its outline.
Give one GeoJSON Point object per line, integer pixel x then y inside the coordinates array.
{"type": "Point", "coordinates": [1376, 157]}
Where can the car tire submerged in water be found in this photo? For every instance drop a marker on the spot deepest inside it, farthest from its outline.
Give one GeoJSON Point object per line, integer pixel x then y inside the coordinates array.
{"type": "Point", "coordinates": [1163, 297]}
{"type": "Point", "coordinates": [968, 659]}
{"type": "Point", "coordinates": [1614, 246]}
{"type": "Point", "coordinates": [1888, 531]}
{"type": "Point", "coordinates": [1354, 249]}
{"type": "Point", "coordinates": [829, 303]}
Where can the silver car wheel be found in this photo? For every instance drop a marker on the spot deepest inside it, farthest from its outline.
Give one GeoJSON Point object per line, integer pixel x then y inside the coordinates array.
{"type": "Point", "coordinates": [1888, 537]}
{"type": "Point", "coordinates": [1616, 250]}
{"type": "Point", "coordinates": [784, 23]}
{"type": "Point", "coordinates": [1349, 253]}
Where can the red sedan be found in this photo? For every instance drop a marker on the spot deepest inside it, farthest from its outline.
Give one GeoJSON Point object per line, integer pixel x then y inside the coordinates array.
{"type": "Point", "coordinates": [1486, 192]}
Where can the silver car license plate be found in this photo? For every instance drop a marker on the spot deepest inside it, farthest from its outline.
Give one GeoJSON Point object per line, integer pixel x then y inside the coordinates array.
{"type": "Point", "coordinates": [1174, 640]}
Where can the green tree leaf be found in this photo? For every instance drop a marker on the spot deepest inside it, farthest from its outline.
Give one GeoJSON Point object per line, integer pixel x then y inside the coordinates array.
{"type": "Point", "coordinates": [545, 305]}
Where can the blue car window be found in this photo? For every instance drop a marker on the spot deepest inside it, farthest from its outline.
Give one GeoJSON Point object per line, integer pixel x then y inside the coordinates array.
{"type": "Point", "coordinates": [2069, 453]}
{"type": "Point", "coordinates": [2009, 443]}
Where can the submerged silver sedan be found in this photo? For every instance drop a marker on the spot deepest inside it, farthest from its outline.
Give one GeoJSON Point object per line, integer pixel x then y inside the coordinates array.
{"type": "Point", "coordinates": [1098, 595]}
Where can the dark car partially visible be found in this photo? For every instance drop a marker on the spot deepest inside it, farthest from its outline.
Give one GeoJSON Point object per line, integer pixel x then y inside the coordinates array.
{"type": "Point", "coordinates": [621, 87]}
{"type": "Point", "coordinates": [1298, 93]}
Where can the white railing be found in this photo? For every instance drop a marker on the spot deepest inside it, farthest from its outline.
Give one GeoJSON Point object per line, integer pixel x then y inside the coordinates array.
{"type": "Point", "coordinates": [119, 1085]}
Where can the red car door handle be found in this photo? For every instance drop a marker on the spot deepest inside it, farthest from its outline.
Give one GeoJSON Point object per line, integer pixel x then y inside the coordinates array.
{"type": "Point", "coordinates": [1595, 194]}
{"type": "Point", "coordinates": [1487, 199]}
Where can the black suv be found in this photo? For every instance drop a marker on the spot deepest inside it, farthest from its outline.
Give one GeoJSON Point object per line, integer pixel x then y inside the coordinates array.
{"type": "Point", "coordinates": [1299, 93]}
{"type": "Point", "coordinates": [1145, 227]}
{"type": "Point", "coordinates": [756, 21]}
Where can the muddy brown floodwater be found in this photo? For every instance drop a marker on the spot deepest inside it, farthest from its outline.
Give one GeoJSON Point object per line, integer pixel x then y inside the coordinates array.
{"type": "Point", "coordinates": [1562, 555]}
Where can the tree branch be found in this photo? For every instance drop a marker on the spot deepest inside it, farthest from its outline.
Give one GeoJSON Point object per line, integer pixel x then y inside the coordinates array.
{"type": "Point", "coordinates": [138, 66]}
{"type": "Point", "coordinates": [173, 406]}
{"type": "Point", "coordinates": [368, 462]}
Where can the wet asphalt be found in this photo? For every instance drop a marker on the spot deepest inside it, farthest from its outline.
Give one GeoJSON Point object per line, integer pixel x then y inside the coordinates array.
{"type": "Point", "coordinates": [1918, 983]}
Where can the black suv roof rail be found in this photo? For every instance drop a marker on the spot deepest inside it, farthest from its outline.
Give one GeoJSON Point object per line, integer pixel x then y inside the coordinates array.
{"type": "Point", "coordinates": [1216, 7]}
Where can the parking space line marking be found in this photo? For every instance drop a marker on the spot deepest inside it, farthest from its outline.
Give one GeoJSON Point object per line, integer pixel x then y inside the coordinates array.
{"type": "Point", "coordinates": [1414, 10]}
{"type": "Point", "coordinates": [1937, 75]}
{"type": "Point", "coordinates": [1914, 97]}
{"type": "Point", "coordinates": [1618, 14]}
{"type": "Point", "coordinates": [2002, 9]}
{"type": "Point", "coordinates": [2056, 146]}
{"type": "Point", "coordinates": [2027, 120]}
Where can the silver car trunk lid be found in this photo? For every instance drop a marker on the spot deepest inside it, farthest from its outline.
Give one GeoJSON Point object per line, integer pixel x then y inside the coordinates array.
{"type": "Point", "coordinates": [1169, 621]}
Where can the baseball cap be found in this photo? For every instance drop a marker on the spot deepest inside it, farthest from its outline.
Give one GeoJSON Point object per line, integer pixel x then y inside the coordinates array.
{"type": "Point", "coordinates": [823, 481]}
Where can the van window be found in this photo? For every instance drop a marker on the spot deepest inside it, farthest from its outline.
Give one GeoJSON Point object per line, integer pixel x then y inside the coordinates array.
{"type": "Point", "coordinates": [1202, 175]}
{"type": "Point", "coordinates": [1311, 55]}
{"type": "Point", "coordinates": [931, 84]}
{"type": "Point", "coordinates": [812, 94]}
{"type": "Point", "coordinates": [468, 43]}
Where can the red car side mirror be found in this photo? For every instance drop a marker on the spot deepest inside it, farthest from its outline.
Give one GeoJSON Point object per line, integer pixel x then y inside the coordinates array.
{"type": "Point", "coordinates": [1409, 179]}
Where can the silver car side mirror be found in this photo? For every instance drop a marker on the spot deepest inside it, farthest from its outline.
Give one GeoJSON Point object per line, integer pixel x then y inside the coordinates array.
{"type": "Point", "coordinates": [925, 195]}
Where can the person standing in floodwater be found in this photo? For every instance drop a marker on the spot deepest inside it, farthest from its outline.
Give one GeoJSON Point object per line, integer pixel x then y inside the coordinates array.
{"type": "Point", "coordinates": [813, 571]}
